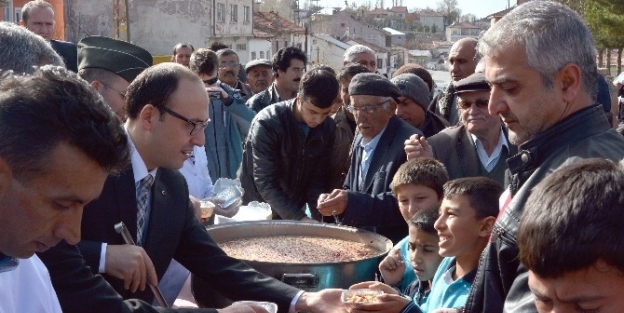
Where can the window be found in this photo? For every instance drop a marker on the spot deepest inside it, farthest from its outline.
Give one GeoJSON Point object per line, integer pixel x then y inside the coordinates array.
{"type": "Point", "coordinates": [6, 12]}
{"type": "Point", "coordinates": [253, 55]}
{"type": "Point", "coordinates": [233, 13]}
{"type": "Point", "coordinates": [342, 24]}
{"type": "Point", "coordinates": [268, 54]}
{"type": "Point", "coordinates": [18, 15]}
{"type": "Point", "coordinates": [285, 43]}
{"type": "Point", "coordinates": [241, 47]}
{"type": "Point", "coordinates": [246, 14]}
{"type": "Point", "coordinates": [262, 54]}
{"type": "Point", "coordinates": [299, 46]}
{"type": "Point", "coordinates": [220, 12]}
{"type": "Point", "coordinates": [379, 63]}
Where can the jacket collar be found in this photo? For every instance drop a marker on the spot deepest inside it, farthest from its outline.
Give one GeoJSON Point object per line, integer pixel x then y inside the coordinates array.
{"type": "Point", "coordinates": [580, 125]}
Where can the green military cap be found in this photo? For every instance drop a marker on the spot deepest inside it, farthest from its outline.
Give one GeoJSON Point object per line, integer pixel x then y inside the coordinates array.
{"type": "Point", "coordinates": [119, 57]}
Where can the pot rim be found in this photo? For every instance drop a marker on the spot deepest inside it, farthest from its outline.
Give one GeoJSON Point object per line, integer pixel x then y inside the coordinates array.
{"type": "Point", "coordinates": [269, 223]}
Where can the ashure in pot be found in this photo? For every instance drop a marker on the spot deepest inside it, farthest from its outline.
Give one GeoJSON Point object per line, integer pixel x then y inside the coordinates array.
{"type": "Point", "coordinates": [309, 276]}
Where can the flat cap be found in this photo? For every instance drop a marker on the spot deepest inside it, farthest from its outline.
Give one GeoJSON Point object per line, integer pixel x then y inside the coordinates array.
{"type": "Point", "coordinates": [119, 57]}
{"type": "Point", "coordinates": [373, 85]}
{"type": "Point", "coordinates": [258, 62]}
{"type": "Point", "coordinates": [413, 87]}
{"type": "Point", "coordinates": [472, 83]}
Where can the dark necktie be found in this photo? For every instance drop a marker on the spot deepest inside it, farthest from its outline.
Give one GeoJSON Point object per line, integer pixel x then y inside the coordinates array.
{"type": "Point", "coordinates": [142, 193]}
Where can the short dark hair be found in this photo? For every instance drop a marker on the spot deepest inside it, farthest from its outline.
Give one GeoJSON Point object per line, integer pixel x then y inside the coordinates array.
{"type": "Point", "coordinates": [482, 194]}
{"type": "Point", "coordinates": [425, 220]}
{"type": "Point", "coordinates": [281, 59]}
{"type": "Point", "coordinates": [155, 85]}
{"type": "Point", "coordinates": [182, 45]}
{"type": "Point", "coordinates": [348, 71]}
{"type": "Point", "coordinates": [34, 4]}
{"type": "Point", "coordinates": [53, 106]}
{"type": "Point", "coordinates": [320, 87]}
{"type": "Point", "coordinates": [324, 67]}
{"type": "Point", "coordinates": [573, 218]}
{"type": "Point", "coordinates": [413, 68]}
{"type": "Point", "coordinates": [428, 172]}
{"type": "Point", "coordinates": [204, 61]}
{"type": "Point", "coordinates": [217, 45]}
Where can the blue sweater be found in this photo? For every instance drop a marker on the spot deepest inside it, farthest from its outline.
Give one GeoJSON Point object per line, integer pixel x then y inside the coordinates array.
{"type": "Point", "coordinates": [445, 293]}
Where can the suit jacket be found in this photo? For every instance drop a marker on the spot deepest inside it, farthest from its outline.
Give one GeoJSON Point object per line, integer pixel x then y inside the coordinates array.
{"type": "Point", "coordinates": [79, 290]}
{"type": "Point", "coordinates": [68, 51]}
{"type": "Point", "coordinates": [371, 205]}
{"type": "Point", "coordinates": [456, 150]}
{"type": "Point", "coordinates": [173, 232]}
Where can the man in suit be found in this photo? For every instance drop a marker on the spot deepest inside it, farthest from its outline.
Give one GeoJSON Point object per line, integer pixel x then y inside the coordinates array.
{"type": "Point", "coordinates": [478, 147]}
{"type": "Point", "coordinates": [38, 17]}
{"type": "Point", "coordinates": [167, 112]}
{"type": "Point", "coordinates": [367, 201]}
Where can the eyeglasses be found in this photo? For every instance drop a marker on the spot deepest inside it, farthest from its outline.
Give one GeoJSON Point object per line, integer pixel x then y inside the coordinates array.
{"type": "Point", "coordinates": [211, 81]}
{"type": "Point", "coordinates": [121, 94]}
{"type": "Point", "coordinates": [369, 108]}
{"type": "Point", "coordinates": [195, 126]}
{"type": "Point", "coordinates": [480, 103]}
{"type": "Point", "coordinates": [228, 64]}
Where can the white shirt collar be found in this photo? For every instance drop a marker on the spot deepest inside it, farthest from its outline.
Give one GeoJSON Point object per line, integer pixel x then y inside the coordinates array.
{"type": "Point", "coordinates": [139, 169]}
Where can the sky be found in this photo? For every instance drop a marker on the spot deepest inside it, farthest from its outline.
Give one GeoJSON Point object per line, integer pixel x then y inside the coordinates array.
{"type": "Point", "coordinates": [480, 8]}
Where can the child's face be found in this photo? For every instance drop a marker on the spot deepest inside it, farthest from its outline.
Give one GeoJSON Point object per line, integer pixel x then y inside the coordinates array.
{"type": "Point", "coordinates": [459, 230]}
{"type": "Point", "coordinates": [597, 288]}
{"type": "Point", "coordinates": [413, 198]}
{"type": "Point", "coordinates": [423, 249]}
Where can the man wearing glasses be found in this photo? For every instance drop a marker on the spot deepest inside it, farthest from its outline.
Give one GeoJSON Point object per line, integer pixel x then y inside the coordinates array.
{"type": "Point", "coordinates": [167, 113]}
{"type": "Point", "coordinates": [366, 200]}
{"type": "Point", "coordinates": [478, 147]}
{"type": "Point", "coordinates": [110, 65]}
{"type": "Point", "coordinates": [229, 67]}
{"type": "Point", "coordinates": [230, 116]}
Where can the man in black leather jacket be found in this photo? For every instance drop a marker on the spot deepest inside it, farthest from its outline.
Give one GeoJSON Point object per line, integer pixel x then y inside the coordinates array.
{"type": "Point", "coordinates": [287, 150]}
{"type": "Point", "coordinates": [540, 62]}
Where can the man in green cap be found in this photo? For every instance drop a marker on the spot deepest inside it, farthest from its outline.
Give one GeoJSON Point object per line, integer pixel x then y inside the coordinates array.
{"type": "Point", "coordinates": [110, 65]}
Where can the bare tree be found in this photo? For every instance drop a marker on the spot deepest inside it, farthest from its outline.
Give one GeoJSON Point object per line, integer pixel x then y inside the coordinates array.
{"type": "Point", "coordinates": [450, 10]}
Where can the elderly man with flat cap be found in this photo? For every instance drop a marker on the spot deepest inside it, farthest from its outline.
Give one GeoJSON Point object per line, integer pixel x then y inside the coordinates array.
{"type": "Point", "coordinates": [259, 75]}
{"type": "Point", "coordinates": [479, 147]}
{"type": "Point", "coordinates": [110, 65]}
{"type": "Point", "coordinates": [366, 200]}
{"type": "Point", "coordinates": [412, 105]}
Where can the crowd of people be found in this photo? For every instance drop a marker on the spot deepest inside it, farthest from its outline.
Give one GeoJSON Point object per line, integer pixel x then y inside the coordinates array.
{"type": "Point", "coordinates": [503, 193]}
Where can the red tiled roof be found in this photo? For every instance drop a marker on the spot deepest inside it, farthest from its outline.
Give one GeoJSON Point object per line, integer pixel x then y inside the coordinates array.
{"type": "Point", "coordinates": [399, 9]}
{"type": "Point", "coordinates": [272, 23]}
{"type": "Point", "coordinates": [377, 11]}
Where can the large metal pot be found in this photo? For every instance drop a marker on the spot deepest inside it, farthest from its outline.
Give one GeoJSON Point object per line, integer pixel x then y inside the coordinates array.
{"type": "Point", "coordinates": [313, 276]}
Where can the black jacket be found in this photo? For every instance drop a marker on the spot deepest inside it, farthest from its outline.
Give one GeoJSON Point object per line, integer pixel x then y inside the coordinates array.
{"type": "Point", "coordinates": [501, 284]}
{"type": "Point", "coordinates": [284, 167]}
{"type": "Point", "coordinates": [68, 51]}
{"type": "Point", "coordinates": [263, 99]}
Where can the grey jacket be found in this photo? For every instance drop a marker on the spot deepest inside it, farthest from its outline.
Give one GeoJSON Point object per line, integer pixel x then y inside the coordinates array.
{"type": "Point", "coordinates": [501, 284]}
